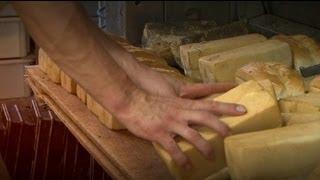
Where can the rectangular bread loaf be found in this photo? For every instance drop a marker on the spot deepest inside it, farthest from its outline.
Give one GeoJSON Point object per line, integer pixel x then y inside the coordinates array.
{"type": "Point", "coordinates": [191, 53]}
{"type": "Point", "coordinates": [281, 153]}
{"type": "Point", "coordinates": [301, 55]}
{"type": "Point", "coordinates": [42, 61]}
{"type": "Point", "coordinates": [263, 113]}
{"type": "Point", "coordinates": [49, 67]}
{"type": "Point", "coordinates": [81, 94]}
{"type": "Point", "coordinates": [67, 83]}
{"type": "Point", "coordinates": [103, 115]}
{"type": "Point", "coordinates": [221, 67]}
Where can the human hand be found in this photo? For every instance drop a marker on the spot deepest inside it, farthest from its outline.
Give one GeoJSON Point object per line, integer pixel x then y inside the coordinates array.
{"type": "Point", "coordinates": [159, 119]}
{"type": "Point", "coordinates": [157, 83]}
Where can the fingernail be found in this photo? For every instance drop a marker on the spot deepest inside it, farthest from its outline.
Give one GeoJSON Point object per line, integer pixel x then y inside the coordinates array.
{"type": "Point", "coordinates": [241, 109]}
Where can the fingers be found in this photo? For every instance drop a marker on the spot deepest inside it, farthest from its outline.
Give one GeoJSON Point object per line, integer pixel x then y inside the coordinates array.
{"type": "Point", "coordinates": [219, 108]}
{"type": "Point", "coordinates": [201, 90]}
{"type": "Point", "coordinates": [172, 148]}
{"type": "Point", "coordinates": [194, 138]}
{"type": "Point", "coordinates": [207, 119]}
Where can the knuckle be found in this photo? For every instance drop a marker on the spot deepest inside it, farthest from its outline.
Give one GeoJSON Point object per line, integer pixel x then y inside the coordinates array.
{"type": "Point", "coordinates": [215, 104]}
{"type": "Point", "coordinates": [173, 112]}
{"type": "Point", "coordinates": [193, 135]}
{"type": "Point", "coordinates": [207, 117]}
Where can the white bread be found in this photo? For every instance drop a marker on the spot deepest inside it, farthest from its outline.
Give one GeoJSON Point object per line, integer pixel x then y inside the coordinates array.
{"type": "Point", "coordinates": [221, 67]}
{"type": "Point", "coordinates": [311, 45]}
{"type": "Point", "coordinates": [286, 82]}
{"type": "Point", "coordinates": [301, 55]}
{"type": "Point", "coordinates": [263, 113]}
{"type": "Point", "coordinates": [49, 67]}
{"type": "Point", "coordinates": [281, 153]}
{"type": "Point", "coordinates": [81, 94]}
{"type": "Point", "coordinates": [67, 83]}
{"type": "Point", "coordinates": [191, 53]}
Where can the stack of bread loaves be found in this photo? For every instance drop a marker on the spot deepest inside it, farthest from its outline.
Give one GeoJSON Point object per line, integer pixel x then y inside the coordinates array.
{"type": "Point", "coordinates": [165, 38]}
{"type": "Point", "coordinates": [284, 149]}
{"type": "Point", "coordinates": [191, 53]}
{"type": "Point", "coordinates": [278, 137]}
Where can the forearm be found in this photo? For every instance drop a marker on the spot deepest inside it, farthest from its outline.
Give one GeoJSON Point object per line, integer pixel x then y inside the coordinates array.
{"type": "Point", "coordinates": [66, 33]}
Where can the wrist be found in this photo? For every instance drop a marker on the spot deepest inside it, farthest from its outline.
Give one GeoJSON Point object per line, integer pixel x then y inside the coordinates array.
{"type": "Point", "coordinates": [124, 100]}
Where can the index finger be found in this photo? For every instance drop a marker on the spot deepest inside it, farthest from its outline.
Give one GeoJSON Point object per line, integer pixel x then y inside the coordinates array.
{"type": "Point", "coordinates": [201, 90]}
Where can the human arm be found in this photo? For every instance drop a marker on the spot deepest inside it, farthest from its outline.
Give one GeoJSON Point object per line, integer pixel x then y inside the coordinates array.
{"type": "Point", "coordinates": [66, 33]}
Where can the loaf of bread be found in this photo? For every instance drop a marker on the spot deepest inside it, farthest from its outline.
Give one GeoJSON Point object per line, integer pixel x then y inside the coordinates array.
{"type": "Point", "coordinates": [311, 45]}
{"type": "Point", "coordinates": [191, 53]}
{"type": "Point", "coordinates": [298, 118]}
{"type": "Point", "coordinates": [42, 62]}
{"type": "Point", "coordinates": [306, 103]}
{"type": "Point", "coordinates": [302, 56]}
{"type": "Point", "coordinates": [165, 38]}
{"type": "Point", "coordinates": [81, 94]}
{"type": "Point", "coordinates": [286, 82]}
{"type": "Point", "coordinates": [103, 115]}
{"type": "Point", "coordinates": [223, 174]}
{"type": "Point", "coordinates": [281, 153]}
{"type": "Point", "coordinates": [221, 67]}
{"type": "Point", "coordinates": [155, 62]}
{"type": "Point", "coordinates": [315, 174]}
{"type": "Point", "coordinates": [67, 83]}
{"type": "Point", "coordinates": [49, 67]}
{"type": "Point", "coordinates": [314, 85]}
{"type": "Point", "coordinates": [262, 113]}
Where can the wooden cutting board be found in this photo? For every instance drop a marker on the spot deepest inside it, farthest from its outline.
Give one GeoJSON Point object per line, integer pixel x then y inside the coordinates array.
{"type": "Point", "coordinates": [123, 155]}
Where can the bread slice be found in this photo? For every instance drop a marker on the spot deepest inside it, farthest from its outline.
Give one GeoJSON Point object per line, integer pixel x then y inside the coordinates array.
{"type": "Point", "coordinates": [263, 113]}
{"type": "Point", "coordinates": [221, 67]}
